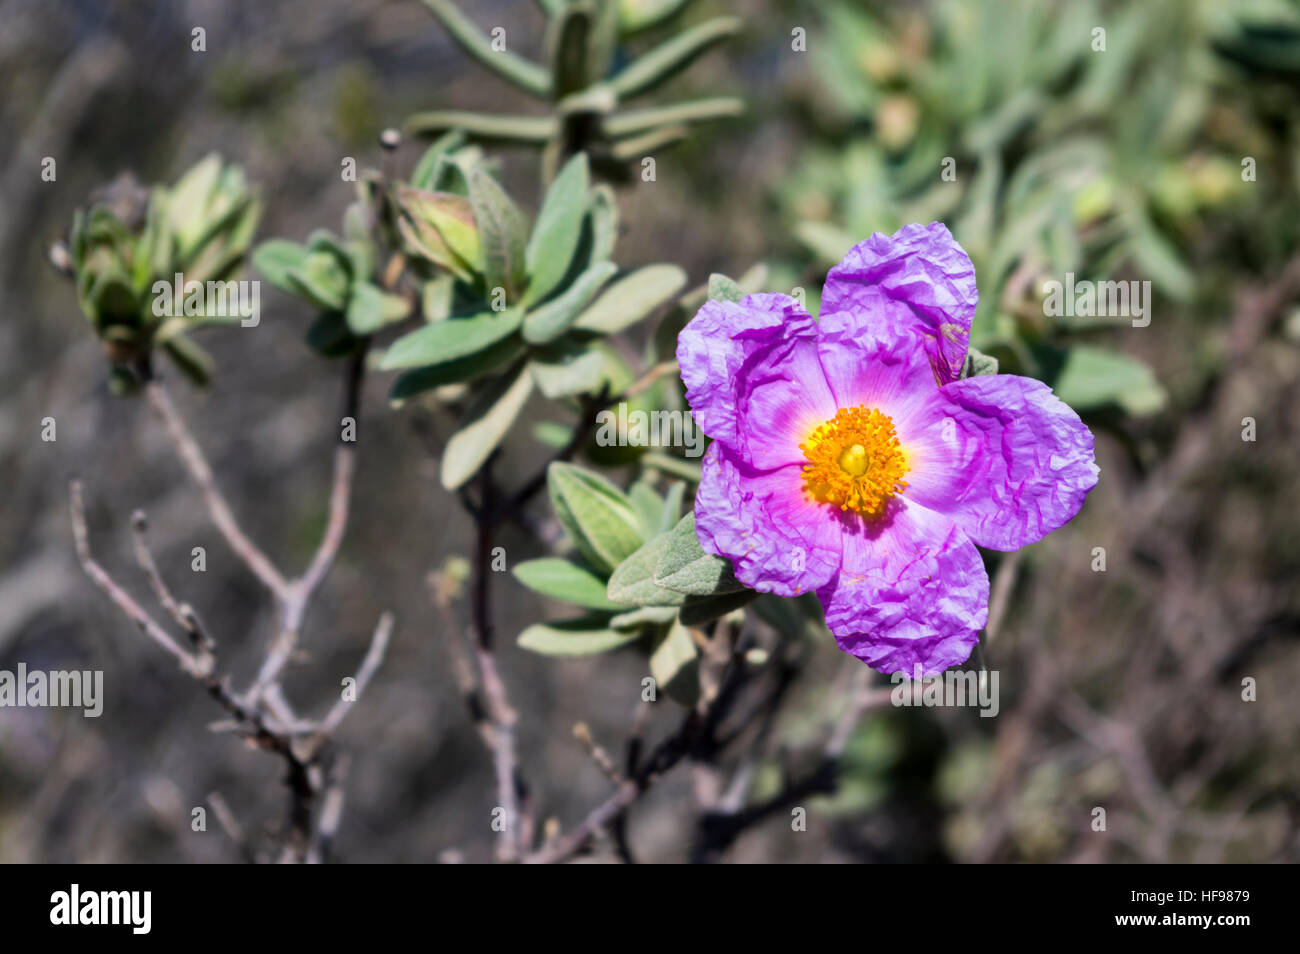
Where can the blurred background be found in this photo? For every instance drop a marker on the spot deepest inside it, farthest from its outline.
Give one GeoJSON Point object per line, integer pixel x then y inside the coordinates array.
{"type": "Point", "coordinates": [1120, 688]}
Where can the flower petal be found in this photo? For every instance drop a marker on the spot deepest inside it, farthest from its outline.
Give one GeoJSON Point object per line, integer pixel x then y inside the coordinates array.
{"type": "Point", "coordinates": [777, 539]}
{"type": "Point", "coordinates": [715, 345]}
{"type": "Point", "coordinates": [1002, 456]}
{"type": "Point", "coordinates": [911, 591]}
{"type": "Point", "coordinates": [922, 268]}
{"type": "Point", "coordinates": [781, 396]}
{"type": "Point", "coordinates": [872, 359]}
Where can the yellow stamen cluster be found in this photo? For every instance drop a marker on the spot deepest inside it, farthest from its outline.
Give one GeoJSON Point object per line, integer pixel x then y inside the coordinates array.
{"type": "Point", "coordinates": [854, 461]}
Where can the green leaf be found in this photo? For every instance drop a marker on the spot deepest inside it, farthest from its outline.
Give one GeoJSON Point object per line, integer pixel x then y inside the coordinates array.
{"type": "Point", "coordinates": [1094, 377]}
{"type": "Point", "coordinates": [553, 434]}
{"type": "Point", "coordinates": [801, 616]}
{"type": "Point", "coordinates": [636, 15]}
{"type": "Point", "coordinates": [580, 637]}
{"type": "Point", "coordinates": [369, 309]}
{"type": "Point", "coordinates": [486, 422]}
{"type": "Point", "coordinates": [458, 370]}
{"type": "Point", "coordinates": [503, 231]}
{"type": "Point", "coordinates": [675, 665]}
{"type": "Point", "coordinates": [275, 257]}
{"type": "Point", "coordinates": [114, 300]}
{"type": "Point", "coordinates": [632, 581]}
{"type": "Point", "coordinates": [323, 240]}
{"type": "Point", "coordinates": [553, 318]}
{"type": "Point", "coordinates": [436, 297]}
{"type": "Point", "coordinates": [595, 514]}
{"type": "Point", "coordinates": [722, 288]}
{"type": "Point", "coordinates": [649, 508]}
{"type": "Point", "coordinates": [673, 466]}
{"type": "Point", "coordinates": [566, 42]}
{"type": "Point", "coordinates": [978, 363]}
{"type": "Point", "coordinates": [686, 568]}
{"type": "Point", "coordinates": [602, 221]}
{"type": "Point", "coordinates": [629, 122]}
{"type": "Point", "coordinates": [189, 197]}
{"type": "Point", "coordinates": [644, 616]}
{"type": "Point", "coordinates": [452, 338]}
{"type": "Point", "coordinates": [1156, 255]}
{"type": "Point", "coordinates": [698, 610]}
{"type": "Point", "coordinates": [321, 279]}
{"type": "Point", "coordinates": [559, 226]}
{"type": "Point", "coordinates": [565, 378]}
{"type": "Point", "coordinates": [668, 59]}
{"type": "Point", "coordinates": [192, 360]}
{"type": "Point", "coordinates": [532, 130]}
{"type": "Point", "coordinates": [565, 581]}
{"type": "Point", "coordinates": [632, 298]}
{"type": "Point", "coordinates": [523, 73]}
{"type": "Point", "coordinates": [423, 177]}
{"type": "Point", "coordinates": [672, 506]}
{"type": "Point", "coordinates": [602, 43]}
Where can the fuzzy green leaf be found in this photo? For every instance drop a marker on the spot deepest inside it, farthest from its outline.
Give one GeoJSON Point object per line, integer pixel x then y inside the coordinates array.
{"type": "Point", "coordinates": [458, 370]}
{"type": "Point", "coordinates": [451, 338]}
{"type": "Point", "coordinates": [553, 318]}
{"type": "Point", "coordinates": [686, 568]}
{"type": "Point", "coordinates": [668, 59]}
{"type": "Point", "coordinates": [559, 379]}
{"type": "Point", "coordinates": [698, 610]}
{"type": "Point", "coordinates": [632, 298]}
{"type": "Point", "coordinates": [275, 257]}
{"type": "Point", "coordinates": [978, 363]}
{"type": "Point", "coordinates": [565, 581]}
{"type": "Point", "coordinates": [369, 309]}
{"type": "Point", "coordinates": [675, 665]}
{"type": "Point", "coordinates": [486, 422]}
{"type": "Point", "coordinates": [559, 226]}
{"type": "Point", "coordinates": [502, 229]}
{"type": "Point", "coordinates": [580, 637]}
{"type": "Point", "coordinates": [632, 582]}
{"type": "Point", "coordinates": [723, 288]}
{"type": "Point", "coordinates": [595, 514]}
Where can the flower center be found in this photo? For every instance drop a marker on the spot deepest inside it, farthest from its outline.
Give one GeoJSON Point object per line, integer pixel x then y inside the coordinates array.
{"type": "Point", "coordinates": [854, 461]}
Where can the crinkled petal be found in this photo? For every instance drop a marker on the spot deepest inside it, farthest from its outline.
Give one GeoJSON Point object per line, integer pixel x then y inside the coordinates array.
{"type": "Point", "coordinates": [911, 591]}
{"type": "Point", "coordinates": [922, 268]}
{"type": "Point", "coordinates": [781, 397]}
{"type": "Point", "coordinates": [872, 359]}
{"type": "Point", "coordinates": [777, 539]}
{"type": "Point", "coordinates": [715, 345]}
{"type": "Point", "coordinates": [1002, 456]}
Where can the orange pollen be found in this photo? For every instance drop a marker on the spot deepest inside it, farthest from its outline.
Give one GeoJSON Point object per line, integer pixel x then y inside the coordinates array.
{"type": "Point", "coordinates": [854, 461]}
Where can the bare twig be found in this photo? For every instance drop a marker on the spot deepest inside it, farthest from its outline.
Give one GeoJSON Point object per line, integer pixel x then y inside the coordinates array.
{"type": "Point", "coordinates": [262, 714]}
{"type": "Point", "coordinates": [331, 813]}
{"type": "Point", "coordinates": [582, 732]}
{"type": "Point", "coordinates": [666, 755]}
{"type": "Point", "coordinates": [296, 594]}
{"type": "Point", "coordinates": [222, 516]}
{"type": "Point", "coordinates": [230, 825]}
{"type": "Point", "coordinates": [374, 658]}
{"type": "Point", "coordinates": [143, 556]}
{"type": "Point", "coordinates": [133, 610]}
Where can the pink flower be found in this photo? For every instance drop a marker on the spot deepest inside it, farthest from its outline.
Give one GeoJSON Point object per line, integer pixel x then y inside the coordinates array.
{"type": "Point", "coordinates": [850, 458]}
